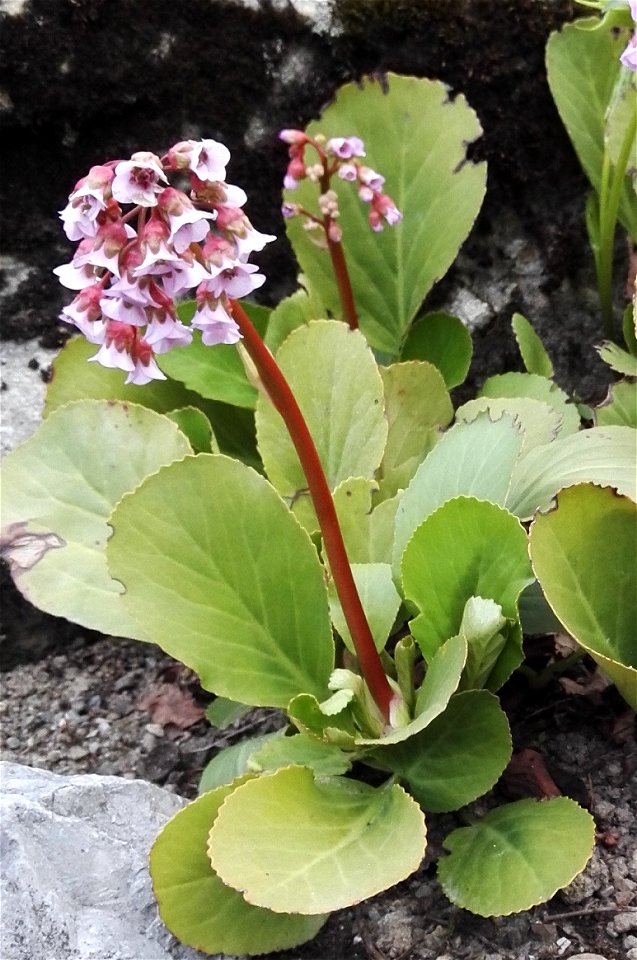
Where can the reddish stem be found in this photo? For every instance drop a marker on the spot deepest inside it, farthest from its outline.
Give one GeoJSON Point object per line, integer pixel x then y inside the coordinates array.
{"type": "Point", "coordinates": [284, 401]}
{"type": "Point", "coordinates": [341, 273]}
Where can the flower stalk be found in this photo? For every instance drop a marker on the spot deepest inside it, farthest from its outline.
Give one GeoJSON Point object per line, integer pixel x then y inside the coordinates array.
{"type": "Point", "coordinates": [280, 393]}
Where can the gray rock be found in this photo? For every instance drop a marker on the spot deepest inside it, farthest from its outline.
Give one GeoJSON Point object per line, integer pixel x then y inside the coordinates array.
{"type": "Point", "coordinates": [75, 883]}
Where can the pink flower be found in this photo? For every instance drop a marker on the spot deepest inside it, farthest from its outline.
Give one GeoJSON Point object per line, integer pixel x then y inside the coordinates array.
{"type": "Point", "coordinates": [370, 178]}
{"type": "Point", "coordinates": [347, 171]}
{"type": "Point", "coordinates": [86, 202]}
{"type": "Point", "coordinates": [165, 332]}
{"type": "Point", "coordinates": [138, 180]}
{"type": "Point", "coordinates": [629, 56]}
{"type": "Point", "coordinates": [295, 137]}
{"type": "Point", "coordinates": [109, 242]}
{"type": "Point", "coordinates": [77, 276]}
{"type": "Point", "coordinates": [346, 147]}
{"type": "Point", "coordinates": [215, 323]}
{"type": "Point", "coordinates": [236, 281]}
{"type": "Point", "coordinates": [206, 158]}
{"type": "Point", "coordinates": [85, 313]}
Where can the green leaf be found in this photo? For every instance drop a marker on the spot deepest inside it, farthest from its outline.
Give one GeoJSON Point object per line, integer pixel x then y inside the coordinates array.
{"type": "Point", "coordinates": [221, 713]}
{"type": "Point", "coordinates": [368, 531]}
{"type": "Point", "coordinates": [325, 759]}
{"type": "Point", "coordinates": [222, 577]}
{"type": "Point", "coordinates": [443, 340]}
{"type": "Point", "coordinates": [536, 616]}
{"type": "Point", "coordinates": [472, 459]}
{"type": "Point", "coordinates": [617, 359]}
{"type": "Point", "coordinates": [583, 68]}
{"type": "Point", "coordinates": [59, 488]}
{"type": "Point", "coordinates": [536, 359]}
{"type": "Point", "coordinates": [619, 116]}
{"type": "Point", "coordinates": [292, 843]}
{"type": "Point", "coordinates": [196, 426]}
{"type": "Point", "coordinates": [540, 422]}
{"type": "Point", "coordinates": [467, 548]}
{"type": "Point", "coordinates": [232, 762]}
{"type": "Point", "coordinates": [417, 404]}
{"type": "Point", "coordinates": [381, 602]}
{"type": "Point", "coordinates": [216, 373]}
{"type": "Point", "coordinates": [535, 388]}
{"type": "Point", "coordinates": [336, 383]}
{"type": "Point", "coordinates": [422, 154]}
{"type": "Point", "coordinates": [519, 855]}
{"type": "Point", "coordinates": [458, 757]}
{"type": "Point", "coordinates": [75, 379]}
{"type": "Point", "coordinates": [292, 312]}
{"type": "Point", "coordinates": [619, 407]}
{"type": "Point", "coordinates": [197, 907]}
{"type": "Point", "coordinates": [583, 553]}
{"type": "Point", "coordinates": [602, 455]}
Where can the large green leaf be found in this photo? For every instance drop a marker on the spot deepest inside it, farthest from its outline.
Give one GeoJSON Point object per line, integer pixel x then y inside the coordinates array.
{"type": "Point", "coordinates": [584, 554]}
{"type": "Point", "coordinates": [292, 312]}
{"type": "Point", "coordinates": [443, 340]}
{"type": "Point", "coordinates": [467, 548]}
{"type": "Point", "coordinates": [602, 455]}
{"type": "Point", "coordinates": [201, 910]}
{"type": "Point", "coordinates": [220, 574]}
{"type": "Point", "coordinates": [325, 759]}
{"type": "Point", "coordinates": [337, 385]}
{"type": "Point", "coordinates": [76, 379]}
{"type": "Point", "coordinates": [540, 422]}
{"type": "Point", "coordinates": [417, 406]}
{"type": "Point", "coordinates": [517, 856]}
{"type": "Point", "coordinates": [472, 459]}
{"type": "Point", "coordinates": [583, 69]}
{"type": "Point", "coordinates": [422, 154]}
{"type": "Point", "coordinates": [59, 488]}
{"type": "Point", "coordinates": [293, 843]}
{"type": "Point", "coordinates": [458, 757]}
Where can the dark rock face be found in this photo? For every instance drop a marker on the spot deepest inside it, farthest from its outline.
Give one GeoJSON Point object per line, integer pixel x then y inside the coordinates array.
{"type": "Point", "coordinates": [86, 80]}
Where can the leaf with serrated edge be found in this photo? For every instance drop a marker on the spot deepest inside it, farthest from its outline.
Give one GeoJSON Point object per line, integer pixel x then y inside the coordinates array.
{"type": "Point", "coordinates": [602, 455]}
{"type": "Point", "coordinates": [325, 759]}
{"type": "Point", "coordinates": [532, 350]}
{"type": "Point", "coordinates": [617, 359]}
{"type": "Point", "coordinates": [232, 762]}
{"type": "Point", "coordinates": [296, 844]}
{"type": "Point", "coordinates": [438, 192]}
{"type": "Point", "coordinates": [64, 482]}
{"type": "Point", "coordinates": [336, 382]}
{"type": "Point", "coordinates": [223, 578]}
{"type": "Point", "coordinates": [472, 459]}
{"type": "Point", "coordinates": [517, 856]}
{"type": "Point", "coordinates": [458, 757]}
{"type": "Point", "coordinates": [198, 907]}
{"type": "Point", "coordinates": [516, 385]}
{"type": "Point", "coordinates": [467, 548]}
{"type": "Point", "coordinates": [620, 406]}
{"type": "Point", "coordinates": [583, 553]}
{"type": "Point", "coordinates": [540, 422]}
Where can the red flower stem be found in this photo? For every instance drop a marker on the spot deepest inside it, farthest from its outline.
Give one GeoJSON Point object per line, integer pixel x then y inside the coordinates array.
{"type": "Point", "coordinates": [284, 401]}
{"type": "Point", "coordinates": [341, 273]}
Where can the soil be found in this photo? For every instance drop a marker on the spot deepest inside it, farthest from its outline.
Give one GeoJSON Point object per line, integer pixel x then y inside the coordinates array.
{"type": "Point", "coordinates": [81, 80]}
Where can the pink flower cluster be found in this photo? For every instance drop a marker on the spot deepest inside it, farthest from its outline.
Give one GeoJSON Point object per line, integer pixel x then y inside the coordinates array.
{"type": "Point", "coordinates": [132, 265]}
{"type": "Point", "coordinates": [629, 56]}
{"type": "Point", "coordinates": [340, 156]}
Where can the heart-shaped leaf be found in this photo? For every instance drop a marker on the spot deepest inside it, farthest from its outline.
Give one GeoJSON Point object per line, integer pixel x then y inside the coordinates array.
{"type": "Point", "coordinates": [59, 488]}
{"type": "Point", "coordinates": [583, 553]}
{"type": "Point", "coordinates": [517, 856]}
{"type": "Point", "coordinates": [201, 910]}
{"type": "Point", "coordinates": [422, 155]}
{"type": "Point", "coordinates": [443, 340]}
{"type": "Point", "coordinates": [184, 548]}
{"type": "Point", "coordinates": [467, 548]}
{"type": "Point", "coordinates": [292, 843]}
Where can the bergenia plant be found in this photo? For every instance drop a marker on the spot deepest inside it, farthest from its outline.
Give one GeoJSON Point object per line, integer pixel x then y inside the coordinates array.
{"type": "Point", "coordinates": [371, 577]}
{"type": "Point", "coordinates": [592, 73]}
